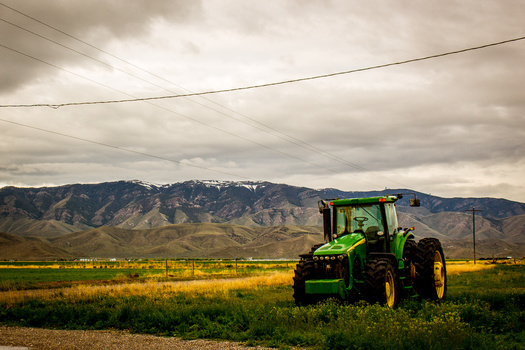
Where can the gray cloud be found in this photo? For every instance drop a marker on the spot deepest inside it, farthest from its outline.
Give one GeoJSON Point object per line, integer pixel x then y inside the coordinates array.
{"type": "Point", "coordinates": [452, 126]}
{"type": "Point", "coordinates": [97, 22]}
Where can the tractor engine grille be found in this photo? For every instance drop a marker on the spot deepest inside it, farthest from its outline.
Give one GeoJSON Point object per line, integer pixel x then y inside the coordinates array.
{"type": "Point", "coordinates": [332, 267]}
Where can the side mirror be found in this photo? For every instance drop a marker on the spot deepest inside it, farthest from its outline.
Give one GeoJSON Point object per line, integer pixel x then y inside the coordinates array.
{"type": "Point", "coordinates": [322, 206]}
{"type": "Point", "coordinates": [414, 202]}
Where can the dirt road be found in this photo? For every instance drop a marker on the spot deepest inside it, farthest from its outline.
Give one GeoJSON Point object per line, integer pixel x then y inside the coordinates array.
{"type": "Point", "coordinates": [46, 339]}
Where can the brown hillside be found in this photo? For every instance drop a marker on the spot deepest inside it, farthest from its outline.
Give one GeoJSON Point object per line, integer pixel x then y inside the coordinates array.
{"type": "Point", "coordinates": [487, 248]}
{"type": "Point", "coordinates": [514, 229]}
{"type": "Point", "coordinates": [459, 225]}
{"type": "Point", "coordinates": [28, 248]}
{"type": "Point", "coordinates": [290, 249]}
{"type": "Point", "coordinates": [188, 240]}
{"type": "Point", "coordinates": [422, 229]}
{"type": "Point", "coordinates": [30, 227]}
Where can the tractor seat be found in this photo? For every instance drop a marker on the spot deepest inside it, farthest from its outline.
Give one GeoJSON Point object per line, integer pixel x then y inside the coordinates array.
{"type": "Point", "coordinates": [371, 234]}
{"type": "Point", "coordinates": [376, 243]}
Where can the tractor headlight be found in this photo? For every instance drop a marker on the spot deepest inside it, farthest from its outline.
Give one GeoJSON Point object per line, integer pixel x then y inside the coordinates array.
{"type": "Point", "coordinates": [316, 258]}
{"type": "Point", "coordinates": [341, 257]}
{"type": "Point", "coordinates": [332, 257]}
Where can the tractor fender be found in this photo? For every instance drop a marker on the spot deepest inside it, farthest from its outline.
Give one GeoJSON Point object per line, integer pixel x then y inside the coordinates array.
{"type": "Point", "coordinates": [402, 239]}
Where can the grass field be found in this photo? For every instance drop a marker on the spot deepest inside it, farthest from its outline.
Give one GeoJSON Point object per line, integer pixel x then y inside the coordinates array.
{"type": "Point", "coordinates": [485, 309]}
{"type": "Point", "coordinates": [41, 275]}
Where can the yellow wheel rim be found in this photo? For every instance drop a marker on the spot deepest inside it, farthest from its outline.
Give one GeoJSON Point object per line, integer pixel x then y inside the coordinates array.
{"type": "Point", "coordinates": [390, 290]}
{"type": "Point", "coordinates": [439, 275]}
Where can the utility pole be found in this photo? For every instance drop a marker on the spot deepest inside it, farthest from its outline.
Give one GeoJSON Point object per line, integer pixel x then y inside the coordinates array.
{"type": "Point", "coordinates": [474, 210]}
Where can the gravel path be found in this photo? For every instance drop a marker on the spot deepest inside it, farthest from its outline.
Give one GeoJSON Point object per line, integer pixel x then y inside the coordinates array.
{"type": "Point", "coordinates": [46, 339]}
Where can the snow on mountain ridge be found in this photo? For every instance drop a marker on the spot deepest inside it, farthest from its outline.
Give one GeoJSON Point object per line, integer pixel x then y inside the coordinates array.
{"type": "Point", "coordinates": [148, 185]}
{"type": "Point", "coordinates": [219, 184]}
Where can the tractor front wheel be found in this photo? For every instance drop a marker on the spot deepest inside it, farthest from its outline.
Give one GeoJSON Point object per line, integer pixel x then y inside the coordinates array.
{"type": "Point", "coordinates": [304, 271]}
{"type": "Point", "coordinates": [381, 281]}
{"type": "Point", "coordinates": [431, 282]}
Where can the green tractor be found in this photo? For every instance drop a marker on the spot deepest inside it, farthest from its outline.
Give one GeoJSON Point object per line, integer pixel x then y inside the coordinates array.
{"type": "Point", "coordinates": [367, 256]}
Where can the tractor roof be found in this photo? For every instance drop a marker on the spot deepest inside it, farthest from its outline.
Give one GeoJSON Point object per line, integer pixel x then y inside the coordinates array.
{"type": "Point", "coordinates": [368, 200]}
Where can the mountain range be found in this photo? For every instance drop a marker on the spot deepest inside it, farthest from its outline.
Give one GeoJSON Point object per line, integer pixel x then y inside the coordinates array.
{"type": "Point", "coordinates": [225, 219]}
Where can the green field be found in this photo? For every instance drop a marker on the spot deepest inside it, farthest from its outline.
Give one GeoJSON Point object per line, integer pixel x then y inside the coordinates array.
{"type": "Point", "coordinates": [42, 275]}
{"type": "Point", "coordinates": [484, 310]}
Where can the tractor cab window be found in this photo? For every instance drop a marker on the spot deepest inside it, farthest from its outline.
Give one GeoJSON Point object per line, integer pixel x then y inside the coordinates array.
{"type": "Point", "coordinates": [391, 217]}
{"type": "Point", "coordinates": [365, 219]}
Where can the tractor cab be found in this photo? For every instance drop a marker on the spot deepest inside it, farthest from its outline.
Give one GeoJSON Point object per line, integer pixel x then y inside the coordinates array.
{"type": "Point", "coordinates": [374, 218]}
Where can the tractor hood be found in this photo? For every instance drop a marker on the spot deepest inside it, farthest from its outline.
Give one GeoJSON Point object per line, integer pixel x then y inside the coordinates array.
{"type": "Point", "coordinates": [341, 245]}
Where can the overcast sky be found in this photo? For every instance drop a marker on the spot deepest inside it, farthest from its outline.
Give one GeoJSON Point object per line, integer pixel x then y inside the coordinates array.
{"type": "Point", "coordinates": [452, 126]}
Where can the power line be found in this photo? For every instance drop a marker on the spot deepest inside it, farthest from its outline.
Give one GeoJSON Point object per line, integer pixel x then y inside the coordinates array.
{"type": "Point", "coordinates": [58, 105]}
{"type": "Point", "coordinates": [290, 139]}
{"type": "Point", "coordinates": [62, 69]}
{"type": "Point", "coordinates": [124, 149]}
{"type": "Point", "coordinates": [287, 138]}
{"type": "Point", "coordinates": [160, 157]}
{"type": "Point", "coordinates": [159, 77]}
{"type": "Point", "coordinates": [79, 52]}
{"type": "Point", "coordinates": [113, 67]}
{"type": "Point", "coordinates": [298, 142]}
{"type": "Point", "coordinates": [293, 140]}
{"type": "Point", "coordinates": [182, 115]}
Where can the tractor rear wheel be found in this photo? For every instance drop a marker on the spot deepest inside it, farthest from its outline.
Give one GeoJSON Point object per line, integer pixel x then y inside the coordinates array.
{"type": "Point", "coordinates": [304, 271]}
{"type": "Point", "coordinates": [381, 281]}
{"type": "Point", "coordinates": [431, 282]}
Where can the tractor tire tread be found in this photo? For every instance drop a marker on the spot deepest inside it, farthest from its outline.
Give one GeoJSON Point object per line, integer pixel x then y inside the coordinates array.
{"type": "Point", "coordinates": [424, 261]}
{"type": "Point", "coordinates": [375, 272]}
